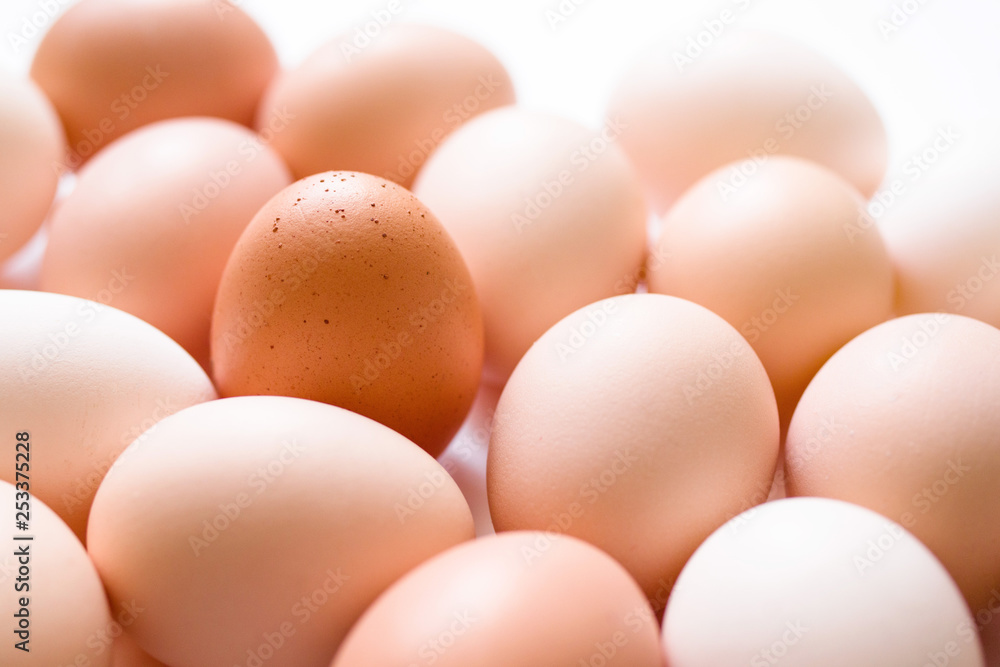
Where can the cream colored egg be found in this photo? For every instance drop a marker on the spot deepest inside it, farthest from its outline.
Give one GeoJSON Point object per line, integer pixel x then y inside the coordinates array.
{"type": "Point", "coordinates": [750, 95]}
{"type": "Point", "coordinates": [548, 214]}
{"type": "Point", "coordinates": [810, 582]}
{"type": "Point", "coordinates": [157, 214]}
{"type": "Point", "coordinates": [640, 424]}
{"type": "Point", "coordinates": [527, 599]}
{"type": "Point", "coordinates": [53, 604]}
{"type": "Point", "coordinates": [787, 255]}
{"type": "Point", "coordinates": [259, 528]}
{"type": "Point", "coordinates": [85, 380]}
{"type": "Point", "coordinates": [904, 420]}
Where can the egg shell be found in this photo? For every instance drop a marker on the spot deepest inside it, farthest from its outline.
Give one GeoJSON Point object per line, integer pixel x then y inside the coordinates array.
{"type": "Point", "coordinates": [161, 210]}
{"type": "Point", "coordinates": [111, 66]}
{"type": "Point", "coordinates": [752, 93]}
{"type": "Point", "coordinates": [127, 653]}
{"type": "Point", "coordinates": [903, 420]}
{"type": "Point", "coordinates": [381, 109]}
{"type": "Point", "coordinates": [85, 379]}
{"type": "Point", "coordinates": [346, 289]}
{"type": "Point", "coordinates": [66, 607]}
{"type": "Point", "coordinates": [640, 424]}
{"type": "Point", "coordinates": [519, 598]}
{"type": "Point", "coordinates": [812, 582]}
{"type": "Point", "coordinates": [548, 214]}
{"type": "Point", "coordinates": [31, 144]}
{"type": "Point", "coordinates": [943, 231]}
{"type": "Point", "coordinates": [265, 517]}
{"type": "Point", "coordinates": [790, 258]}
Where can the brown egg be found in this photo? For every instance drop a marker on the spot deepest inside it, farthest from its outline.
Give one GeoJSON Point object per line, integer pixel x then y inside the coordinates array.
{"type": "Point", "coordinates": [31, 145]}
{"type": "Point", "coordinates": [526, 599]}
{"type": "Point", "coordinates": [941, 223]}
{"type": "Point", "coordinates": [52, 599]}
{"type": "Point", "coordinates": [85, 380]}
{"type": "Point", "coordinates": [640, 424]}
{"type": "Point", "coordinates": [259, 528]}
{"type": "Point", "coordinates": [383, 107]}
{"type": "Point", "coordinates": [903, 420]}
{"type": "Point", "coordinates": [162, 208]}
{"type": "Point", "coordinates": [346, 289]}
{"type": "Point", "coordinates": [788, 256]}
{"type": "Point", "coordinates": [749, 95]}
{"type": "Point", "coordinates": [549, 215]}
{"type": "Point", "coordinates": [110, 66]}
{"type": "Point", "coordinates": [127, 653]}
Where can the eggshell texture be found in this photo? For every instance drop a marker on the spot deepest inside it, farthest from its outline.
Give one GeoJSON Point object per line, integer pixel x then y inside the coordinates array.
{"type": "Point", "coordinates": [750, 94]}
{"type": "Point", "coordinates": [85, 380]}
{"type": "Point", "coordinates": [548, 214]}
{"type": "Point", "coordinates": [345, 289]}
{"type": "Point", "coordinates": [66, 606]}
{"type": "Point", "coordinates": [527, 599]}
{"type": "Point", "coordinates": [267, 520]}
{"type": "Point", "coordinates": [110, 66]}
{"type": "Point", "coordinates": [943, 234]}
{"type": "Point", "coordinates": [161, 209]}
{"type": "Point", "coordinates": [382, 108]}
{"type": "Point", "coordinates": [31, 143]}
{"type": "Point", "coordinates": [127, 653]}
{"type": "Point", "coordinates": [904, 420]}
{"type": "Point", "coordinates": [640, 424]}
{"type": "Point", "coordinates": [790, 258]}
{"type": "Point", "coordinates": [811, 582]}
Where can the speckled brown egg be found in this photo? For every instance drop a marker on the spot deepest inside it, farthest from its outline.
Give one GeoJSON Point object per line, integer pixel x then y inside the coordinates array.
{"type": "Point", "coordinates": [345, 289]}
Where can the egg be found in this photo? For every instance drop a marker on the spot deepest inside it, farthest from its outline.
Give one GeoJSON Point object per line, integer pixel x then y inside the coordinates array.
{"type": "Point", "coordinates": [127, 653]}
{"type": "Point", "coordinates": [111, 66]}
{"type": "Point", "coordinates": [548, 214]}
{"type": "Point", "coordinates": [789, 257]}
{"type": "Point", "coordinates": [53, 605]}
{"type": "Point", "coordinates": [270, 523]}
{"type": "Point", "coordinates": [522, 598]}
{"type": "Point", "coordinates": [943, 233]}
{"type": "Point", "coordinates": [382, 106]}
{"type": "Point", "coordinates": [640, 424]}
{"type": "Point", "coordinates": [346, 289]}
{"type": "Point", "coordinates": [904, 420]}
{"type": "Point", "coordinates": [85, 380]}
{"type": "Point", "coordinates": [162, 208]}
{"type": "Point", "coordinates": [32, 143]}
{"type": "Point", "coordinates": [752, 95]}
{"type": "Point", "coordinates": [812, 582]}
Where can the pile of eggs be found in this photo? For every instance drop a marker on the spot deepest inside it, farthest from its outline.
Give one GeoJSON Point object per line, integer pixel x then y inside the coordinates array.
{"type": "Point", "coordinates": [363, 364]}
